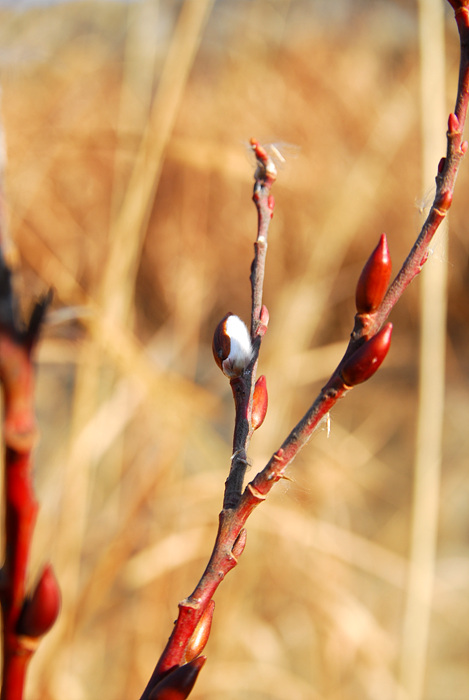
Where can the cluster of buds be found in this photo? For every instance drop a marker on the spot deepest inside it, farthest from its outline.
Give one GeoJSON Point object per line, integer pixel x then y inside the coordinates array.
{"type": "Point", "coordinates": [371, 289]}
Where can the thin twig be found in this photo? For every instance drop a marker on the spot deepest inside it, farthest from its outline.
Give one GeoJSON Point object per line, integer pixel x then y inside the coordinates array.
{"type": "Point", "coordinates": [25, 618]}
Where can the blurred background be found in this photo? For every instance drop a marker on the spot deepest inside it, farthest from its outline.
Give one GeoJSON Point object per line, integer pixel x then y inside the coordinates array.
{"type": "Point", "coordinates": [128, 184]}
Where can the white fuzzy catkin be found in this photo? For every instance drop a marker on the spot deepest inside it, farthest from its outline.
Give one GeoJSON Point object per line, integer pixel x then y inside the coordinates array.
{"type": "Point", "coordinates": [240, 347]}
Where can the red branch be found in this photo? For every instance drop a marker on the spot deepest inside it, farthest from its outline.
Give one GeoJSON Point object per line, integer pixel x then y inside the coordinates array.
{"type": "Point", "coordinates": [367, 348]}
{"type": "Point", "coordinates": [25, 618]}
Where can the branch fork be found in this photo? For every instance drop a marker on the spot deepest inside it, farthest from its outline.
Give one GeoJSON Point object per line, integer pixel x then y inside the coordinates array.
{"type": "Point", "coordinates": [367, 348]}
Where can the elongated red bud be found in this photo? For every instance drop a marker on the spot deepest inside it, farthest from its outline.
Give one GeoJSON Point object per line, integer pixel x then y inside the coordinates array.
{"type": "Point", "coordinates": [260, 401]}
{"type": "Point", "coordinates": [453, 123]}
{"type": "Point", "coordinates": [177, 684]}
{"type": "Point", "coordinates": [374, 279]}
{"type": "Point", "coordinates": [264, 315]}
{"type": "Point", "coordinates": [231, 346]}
{"type": "Point", "coordinates": [367, 359]}
{"type": "Point", "coordinates": [199, 639]}
{"type": "Point", "coordinates": [40, 611]}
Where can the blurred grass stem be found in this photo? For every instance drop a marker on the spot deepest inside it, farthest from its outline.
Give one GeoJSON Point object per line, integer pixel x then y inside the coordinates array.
{"type": "Point", "coordinates": [433, 300]}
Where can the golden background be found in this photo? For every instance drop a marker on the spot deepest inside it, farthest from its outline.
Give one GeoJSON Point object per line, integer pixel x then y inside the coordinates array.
{"type": "Point", "coordinates": [128, 186]}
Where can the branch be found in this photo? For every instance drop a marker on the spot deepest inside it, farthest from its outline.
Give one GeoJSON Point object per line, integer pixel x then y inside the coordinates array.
{"type": "Point", "coordinates": [25, 617]}
{"type": "Point", "coordinates": [237, 355]}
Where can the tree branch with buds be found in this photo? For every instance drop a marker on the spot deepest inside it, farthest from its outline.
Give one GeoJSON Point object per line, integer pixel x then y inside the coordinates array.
{"type": "Point", "coordinates": [26, 617]}
{"type": "Point", "coordinates": [367, 349]}
{"type": "Point", "coordinates": [236, 351]}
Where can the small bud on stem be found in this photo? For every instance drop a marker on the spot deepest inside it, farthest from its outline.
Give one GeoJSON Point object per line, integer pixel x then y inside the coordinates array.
{"type": "Point", "coordinates": [374, 279]}
{"type": "Point", "coordinates": [201, 634]}
{"type": "Point", "coordinates": [40, 611]}
{"type": "Point", "coordinates": [368, 358]}
{"type": "Point", "coordinates": [232, 348]}
{"type": "Point", "coordinates": [260, 401]}
{"type": "Point", "coordinates": [178, 683]}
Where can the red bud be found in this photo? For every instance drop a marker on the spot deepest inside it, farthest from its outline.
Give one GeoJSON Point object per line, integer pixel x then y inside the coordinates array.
{"type": "Point", "coordinates": [374, 279]}
{"type": "Point", "coordinates": [260, 401]}
{"type": "Point", "coordinates": [264, 315]}
{"type": "Point", "coordinates": [453, 123]}
{"type": "Point", "coordinates": [178, 683]}
{"type": "Point", "coordinates": [201, 634]}
{"type": "Point", "coordinates": [444, 201]}
{"type": "Point", "coordinates": [40, 611]}
{"type": "Point", "coordinates": [368, 358]}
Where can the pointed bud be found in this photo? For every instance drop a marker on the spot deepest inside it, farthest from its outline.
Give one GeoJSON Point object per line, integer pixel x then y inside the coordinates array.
{"type": "Point", "coordinates": [264, 315]}
{"type": "Point", "coordinates": [232, 348]}
{"type": "Point", "coordinates": [178, 683]}
{"type": "Point", "coordinates": [453, 123]}
{"type": "Point", "coordinates": [374, 279]}
{"type": "Point", "coordinates": [260, 401]}
{"type": "Point", "coordinates": [368, 358]}
{"type": "Point", "coordinates": [197, 642]}
{"type": "Point", "coordinates": [239, 544]}
{"type": "Point", "coordinates": [40, 611]}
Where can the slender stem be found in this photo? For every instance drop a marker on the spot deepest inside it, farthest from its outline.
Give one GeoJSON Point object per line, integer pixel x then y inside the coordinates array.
{"type": "Point", "coordinates": [19, 429]}
{"type": "Point", "coordinates": [243, 386]}
{"type": "Point", "coordinates": [231, 537]}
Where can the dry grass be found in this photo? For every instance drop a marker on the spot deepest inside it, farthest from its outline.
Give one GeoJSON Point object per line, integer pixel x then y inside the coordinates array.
{"type": "Point", "coordinates": [129, 192]}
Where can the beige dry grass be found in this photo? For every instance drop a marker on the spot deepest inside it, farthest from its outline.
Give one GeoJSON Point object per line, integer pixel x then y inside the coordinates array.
{"type": "Point", "coordinates": [129, 191]}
